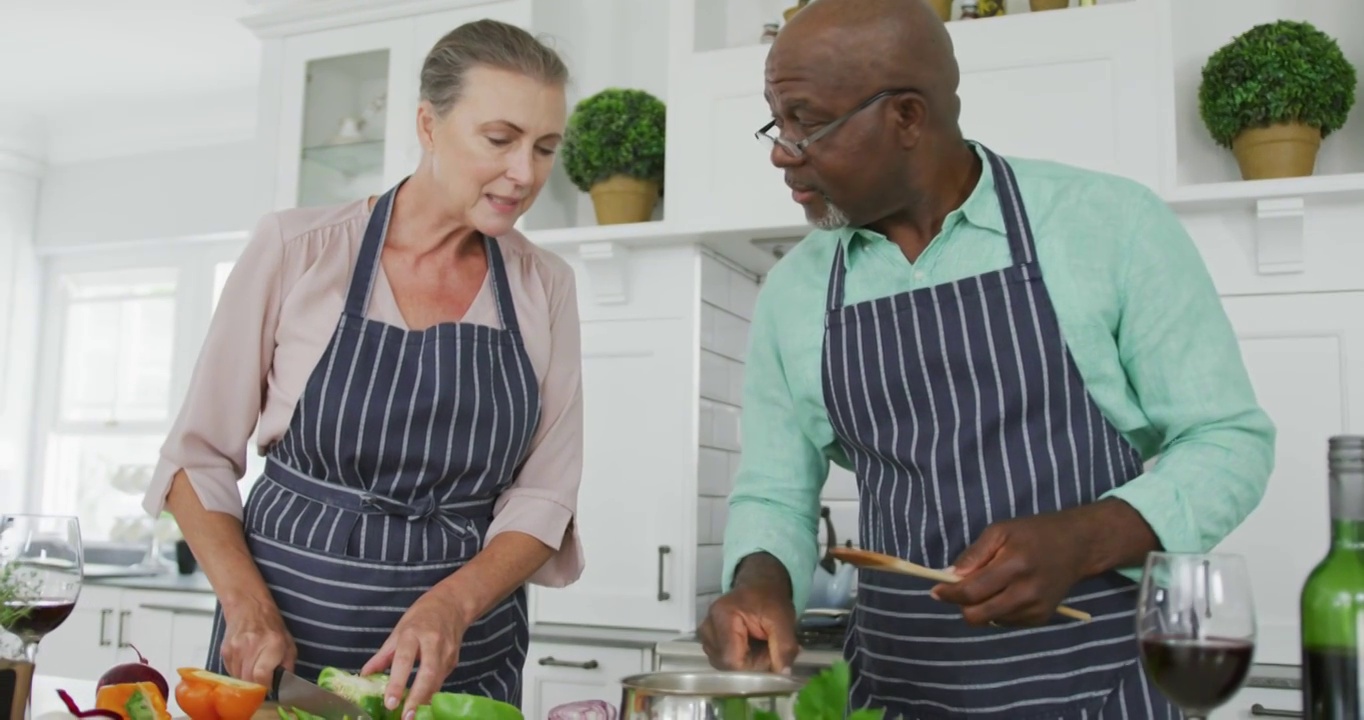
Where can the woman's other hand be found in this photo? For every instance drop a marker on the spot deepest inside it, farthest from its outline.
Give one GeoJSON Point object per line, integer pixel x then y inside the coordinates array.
{"type": "Point", "coordinates": [429, 633]}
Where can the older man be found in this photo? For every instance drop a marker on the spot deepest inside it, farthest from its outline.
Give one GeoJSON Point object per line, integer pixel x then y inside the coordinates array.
{"type": "Point", "coordinates": [995, 347]}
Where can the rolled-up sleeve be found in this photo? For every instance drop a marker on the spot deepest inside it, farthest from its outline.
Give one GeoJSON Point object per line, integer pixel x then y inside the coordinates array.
{"type": "Point", "coordinates": [1184, 365]}
{"type": "Point", "coordinates": [223, 402]}
{"type": "Point", "coordinates": [774, 507]}
{"type": "Point", "coordinates": [543, 500]}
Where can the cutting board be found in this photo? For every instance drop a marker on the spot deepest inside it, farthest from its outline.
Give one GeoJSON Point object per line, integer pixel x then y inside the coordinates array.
{"type": "Point", "coordinates": [269, 710]}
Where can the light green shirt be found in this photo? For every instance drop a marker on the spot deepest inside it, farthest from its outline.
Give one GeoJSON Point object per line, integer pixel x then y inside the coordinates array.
{"type": "Point", "coordinates": [1138, 311]}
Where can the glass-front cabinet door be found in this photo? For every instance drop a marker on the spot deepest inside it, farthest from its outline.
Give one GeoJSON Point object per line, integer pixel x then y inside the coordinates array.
{"type": "Point", "coordinates": [340, 136]}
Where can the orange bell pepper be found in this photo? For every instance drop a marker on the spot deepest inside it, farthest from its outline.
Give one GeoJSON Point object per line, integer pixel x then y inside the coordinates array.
{"type": "Point", "coordinates": [209, 696]}
{"type": "Point", "coordinates": [122, 697]}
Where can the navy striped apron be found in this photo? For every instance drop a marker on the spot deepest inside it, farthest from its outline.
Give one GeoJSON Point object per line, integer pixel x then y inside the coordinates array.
{"type": "Point", "coordinates": [385, 481]}
{"type": "Point", "coordinates": [959, 406]}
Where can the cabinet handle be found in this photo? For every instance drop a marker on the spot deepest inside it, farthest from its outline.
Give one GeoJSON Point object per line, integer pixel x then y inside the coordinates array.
{"type": "Point", "coordinates": [662, 594]}
{"type": "Point", "coordinates": [103, 626]}
{"type": "Point", "coordinates": [1262, 711]}
{"type": "Point", "coordinates": [122, 615]}
{"type": "Point", "coordinates": [589, 665]}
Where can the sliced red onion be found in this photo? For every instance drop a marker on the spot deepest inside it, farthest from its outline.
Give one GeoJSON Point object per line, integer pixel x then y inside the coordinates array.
{"type": "Point", "coordinates": [75, 710]}
{"type": "Point", "coordinates": [584, 710]}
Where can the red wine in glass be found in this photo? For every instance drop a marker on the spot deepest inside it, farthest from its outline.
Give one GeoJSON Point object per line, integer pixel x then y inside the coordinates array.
{"type": "Point", "coordinates": [1197, 674]}
{"type": "Point", "coordinates": [1196, 628]}
{"type": "Point", "coordinates": [36, 618]}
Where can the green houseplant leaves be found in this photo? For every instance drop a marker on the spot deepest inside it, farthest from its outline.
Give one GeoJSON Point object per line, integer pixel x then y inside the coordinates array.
{"type": "Point", "coordinates": [615, 132]}
{"type": "Point", "coordinates": [1277, 72]}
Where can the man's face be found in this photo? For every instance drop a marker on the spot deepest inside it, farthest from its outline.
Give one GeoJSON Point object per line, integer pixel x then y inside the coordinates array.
{"type": "Point", "coordinates": [839, 173]}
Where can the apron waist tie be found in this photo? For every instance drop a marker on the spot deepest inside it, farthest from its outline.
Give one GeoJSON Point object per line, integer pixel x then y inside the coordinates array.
{"type": "Point", "coordinates": [424, 509]}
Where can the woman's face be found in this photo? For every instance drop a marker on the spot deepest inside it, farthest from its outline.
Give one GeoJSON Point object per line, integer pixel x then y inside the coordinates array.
{"type": "Point", "coordinates": [493, 149]}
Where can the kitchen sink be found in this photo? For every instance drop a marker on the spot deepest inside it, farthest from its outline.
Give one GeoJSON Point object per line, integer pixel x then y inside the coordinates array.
{"type": "Point", "coordinates": [110, 560]}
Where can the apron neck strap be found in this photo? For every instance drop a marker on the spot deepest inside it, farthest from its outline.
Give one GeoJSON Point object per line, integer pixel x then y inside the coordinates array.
{"type": "Point", "coordinates": [1016, 225]}
{"type": "Point", "coordinates": [501, 287]}
{"type": "Point", "coordinates": [367, 262]}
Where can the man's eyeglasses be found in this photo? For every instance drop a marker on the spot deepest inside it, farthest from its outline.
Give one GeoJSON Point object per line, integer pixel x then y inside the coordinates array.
{"type": "Point", "coordinates": [797, 148]}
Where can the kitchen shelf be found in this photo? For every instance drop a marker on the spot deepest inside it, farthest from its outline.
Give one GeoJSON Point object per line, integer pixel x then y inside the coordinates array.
{"type": "Point", "coordinates": [1247, 193]}
{"type": "Point", "coordinates": [365, 157]}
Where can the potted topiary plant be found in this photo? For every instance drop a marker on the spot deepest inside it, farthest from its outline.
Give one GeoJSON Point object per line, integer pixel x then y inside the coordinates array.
{"type": "Point", "coordinates": [614, 149]}
{"type": "Point", "coordinates": [1272, 94]}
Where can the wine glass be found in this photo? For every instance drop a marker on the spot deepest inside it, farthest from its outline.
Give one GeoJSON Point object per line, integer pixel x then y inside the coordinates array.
{"type": "Point", "coordinates": [1196, 628]}
{"type": "Point", "coordinates": [41, 565]}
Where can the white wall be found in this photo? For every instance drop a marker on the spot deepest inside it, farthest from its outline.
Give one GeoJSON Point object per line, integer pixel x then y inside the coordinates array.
{"type": "Point", "coordinates": [190, 192]}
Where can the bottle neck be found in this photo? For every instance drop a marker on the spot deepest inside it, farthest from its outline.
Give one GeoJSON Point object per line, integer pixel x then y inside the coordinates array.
{"type": "Point", "coordinates": [1347, 510]}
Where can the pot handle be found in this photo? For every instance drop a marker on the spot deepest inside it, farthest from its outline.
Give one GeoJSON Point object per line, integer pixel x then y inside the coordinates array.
{"type": "Point", "coordinates": [827, 562]}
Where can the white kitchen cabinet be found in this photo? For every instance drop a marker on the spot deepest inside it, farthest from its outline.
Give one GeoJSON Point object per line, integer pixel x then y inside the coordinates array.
{"type": "Point", "coordinates": [333, 142]}
{"type": "Point", "coordinates": [559, 673]}
{"type": "Point", "coordinates": [637, 499]}
{"type": "Point", "coordinates": [1302, 353]}
{"type": "Point", "coordinates": [170, 629]}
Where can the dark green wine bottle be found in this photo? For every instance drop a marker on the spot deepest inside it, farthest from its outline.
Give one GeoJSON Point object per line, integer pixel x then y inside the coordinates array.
{"type": "Point", "coordinates": [1332, 602]}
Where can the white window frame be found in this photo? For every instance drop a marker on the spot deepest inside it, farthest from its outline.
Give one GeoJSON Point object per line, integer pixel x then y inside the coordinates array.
{"type": "Point", "coordinates": [194, 261]}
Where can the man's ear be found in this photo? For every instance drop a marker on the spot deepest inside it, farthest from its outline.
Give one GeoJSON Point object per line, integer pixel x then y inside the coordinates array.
{"type": "Point", "coordinates": [910, 115]}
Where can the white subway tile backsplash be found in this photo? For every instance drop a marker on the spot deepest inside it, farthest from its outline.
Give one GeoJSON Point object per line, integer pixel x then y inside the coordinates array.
{"type": "Point", "coordinates": [709, 562]}
{"type": "Point", "coordinates": [719, 516]}
{"type": "Point", "coordinates": [743, 294]}
{"type": "Point", "coordinates": [726, 430]}
{"type": "Point", "coordinates": [731, 335]}
{"type": "Point", "coordinates": [727, 299]}
{"type": "Point", "coordinates": [715, 479]}
{"type": "Point", "coordinates": [715, 382]}
{"type": "Point", "coordinates": [715, 282]}
{"type": "Point", "coordinates": [736, 382]}
{"type": "Point", "coordinates": [708, 330]}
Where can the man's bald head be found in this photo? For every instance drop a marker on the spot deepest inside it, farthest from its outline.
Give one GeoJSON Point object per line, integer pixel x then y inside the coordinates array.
{"type": "Point", "coordinates": [872, 45]}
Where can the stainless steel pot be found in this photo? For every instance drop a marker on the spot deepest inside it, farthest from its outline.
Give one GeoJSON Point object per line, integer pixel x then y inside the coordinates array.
{"type": "Point", "coordinates": [707, 695]}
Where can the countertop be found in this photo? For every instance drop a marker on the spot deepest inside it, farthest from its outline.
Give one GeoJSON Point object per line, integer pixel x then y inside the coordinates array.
{"type": "Point", "coordinates": [198, 599]}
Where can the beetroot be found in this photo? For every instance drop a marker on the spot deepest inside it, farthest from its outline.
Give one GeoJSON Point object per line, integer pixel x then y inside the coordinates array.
{"type": "Point", "coordinates": [75, 710]}
{"type": "Point", "coordinates": [134, 672]}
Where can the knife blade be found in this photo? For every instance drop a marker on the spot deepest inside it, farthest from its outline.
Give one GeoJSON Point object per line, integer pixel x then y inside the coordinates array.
{"type": "Point", "coordinates": [293, 691]}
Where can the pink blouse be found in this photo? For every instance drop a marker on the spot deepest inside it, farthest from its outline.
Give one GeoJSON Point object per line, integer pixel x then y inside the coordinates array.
{"type": "Point", "coordinates": [275, 318]}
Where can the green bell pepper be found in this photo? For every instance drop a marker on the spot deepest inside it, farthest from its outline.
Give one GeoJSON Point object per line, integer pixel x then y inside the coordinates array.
{"type": "Point", "coordinates": [458, 706]}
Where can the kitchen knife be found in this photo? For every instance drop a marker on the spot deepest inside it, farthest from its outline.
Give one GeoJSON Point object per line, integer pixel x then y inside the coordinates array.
{"type": "Point", "coordinates": [293, 691]}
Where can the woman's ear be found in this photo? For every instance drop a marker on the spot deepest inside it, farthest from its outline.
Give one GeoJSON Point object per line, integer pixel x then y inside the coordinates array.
{"type": "Point", "coordinates": [426, 125]}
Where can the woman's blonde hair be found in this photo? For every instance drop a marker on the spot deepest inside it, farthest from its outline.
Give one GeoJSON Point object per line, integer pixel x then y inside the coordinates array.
{"type": "Point", "coordinates": [485, 43]}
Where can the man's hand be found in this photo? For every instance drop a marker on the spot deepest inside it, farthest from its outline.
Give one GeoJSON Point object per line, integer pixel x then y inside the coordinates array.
{"type": "Point", "coordinates": [1018, 571]}
{"type": "Point", "coordinates": [753, 626]}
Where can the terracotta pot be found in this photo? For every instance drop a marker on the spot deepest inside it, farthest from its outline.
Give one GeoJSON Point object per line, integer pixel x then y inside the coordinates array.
{"type": "Point", "coordinates": [1277, 151]}
{"type": "Point", "coordinates": [1039, 5]}
{"type": "Point", "coordinates": [943, 8]}
{"type": "Point", "coordinates": [623, 199]}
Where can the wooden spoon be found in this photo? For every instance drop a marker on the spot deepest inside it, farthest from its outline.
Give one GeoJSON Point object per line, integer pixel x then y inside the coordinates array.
{"type": "Point", "coordinates": [879, 561]}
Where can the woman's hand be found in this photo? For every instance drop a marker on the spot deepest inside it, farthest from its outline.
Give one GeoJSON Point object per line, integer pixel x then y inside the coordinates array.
{"type": "Point", "coordinates": [255, 642]}
{"type": "Point", "coordinates": [429, 633]}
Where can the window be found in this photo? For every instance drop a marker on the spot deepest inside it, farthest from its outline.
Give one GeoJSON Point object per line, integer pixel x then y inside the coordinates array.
{"type": "Point", "coordinates": [122, 332]}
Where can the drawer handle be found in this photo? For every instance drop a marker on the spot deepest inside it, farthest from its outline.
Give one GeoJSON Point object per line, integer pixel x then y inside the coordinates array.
{"type": "Point", "coordinates": [662, 551]}
{"type": "Point", "coordinates": [122, 616]}
{"type": "Point", "coordinates": [103, 626]}
{"type": "Point", "coordinates": [1262, 711]}
{"type": "Point", "coordinates": [589, 665]}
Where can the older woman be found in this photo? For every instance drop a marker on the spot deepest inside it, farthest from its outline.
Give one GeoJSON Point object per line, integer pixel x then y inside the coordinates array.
{"type": "Point", "coordinates": [410, 364]}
